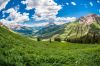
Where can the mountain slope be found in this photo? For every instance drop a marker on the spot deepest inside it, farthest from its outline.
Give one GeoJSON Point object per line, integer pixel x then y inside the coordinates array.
{"type": "Point", "coordinates": [28, 31]}
{"type": "Point", "coordinates": [8, 37]}
{"type": "Point", "coordinates": [16, 50]}
{"type": "Point", "coordinates": [42, 32]}
{"type": "Point", "coordinates": [84, 30]}
{"type": "Point", "coordinates": [49, 31]}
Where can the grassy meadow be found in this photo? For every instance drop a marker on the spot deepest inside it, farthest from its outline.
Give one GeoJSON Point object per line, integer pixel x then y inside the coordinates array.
{"type": "Point", "coordinates": [16, 50]}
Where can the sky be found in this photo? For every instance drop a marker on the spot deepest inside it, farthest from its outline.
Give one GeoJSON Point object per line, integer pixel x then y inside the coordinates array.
{"type": "Point", "coordinates": [35, 13]}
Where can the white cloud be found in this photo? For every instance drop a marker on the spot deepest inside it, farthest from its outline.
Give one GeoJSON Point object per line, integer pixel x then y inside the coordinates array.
{"type": "Point", "coordinates": [17, 7]}
{"type": "Point", "coordinates": [44, 10]}
{"type": "Point", "coordinates": [36, 24]}
{"type": "Point", "coordinates": [57, 21]}
{"type": "Point", "coordinates": [91, 3]}
{"type": "Point", "coordinates": [23, 2]}
{"type": "Point", "coordinates": [15, 17]}
{"type": "Point", "coordinates": [67, 3]}
{"type": "Point", "coordinates": [62, 20]}
{"type": "Point", "coordinates": [47, 10]}
{"type": "Point", "coordinates": [99, 10]}
{"type": "Point", "coordinates": [3, 4]}
{"type": "Point", "coordinates": [98, 1]}
{"type": "Point", "coordinates": [10, 10]}
{"type": "Point", "coordinates": [4, 21]}
{"type": "Point", "coordinates": [40, 24]}
{"type": "Point", "coordinates": [73, 3]}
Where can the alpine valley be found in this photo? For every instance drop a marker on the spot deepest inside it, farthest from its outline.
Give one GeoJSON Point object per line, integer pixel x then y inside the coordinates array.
{"type": "Point", "coordinates": [49, 32]}
{"type": "Point", "coordinates": [86, 29]}
{"type": "Point", "coordinates": [19, 50]}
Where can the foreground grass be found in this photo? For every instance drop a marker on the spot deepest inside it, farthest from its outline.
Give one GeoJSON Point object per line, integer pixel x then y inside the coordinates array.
{"type": "Point", "coordinates": [16, 50]}
{"type": "Point", "coordinates": [50, 54]}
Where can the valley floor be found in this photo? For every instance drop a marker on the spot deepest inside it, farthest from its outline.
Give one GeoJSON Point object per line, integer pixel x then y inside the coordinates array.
{"type": "Point", "coordinates": [49, 54]}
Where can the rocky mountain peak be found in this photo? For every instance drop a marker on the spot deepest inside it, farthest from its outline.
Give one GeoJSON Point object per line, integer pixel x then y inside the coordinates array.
{"type": "Point", "coordinates": [89, 19]}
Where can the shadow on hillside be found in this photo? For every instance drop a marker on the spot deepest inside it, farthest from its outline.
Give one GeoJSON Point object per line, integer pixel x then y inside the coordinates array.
{"type": "Point", "coordinates": [90, 39]}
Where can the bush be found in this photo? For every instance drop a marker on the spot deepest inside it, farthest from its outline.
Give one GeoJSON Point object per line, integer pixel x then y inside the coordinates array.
{"type": "Point", "coordinates": [50, 40]}
{"type": "Point", "coordinates": [57, 39]}
{"type": "Point", "coordinates": [38, 39]}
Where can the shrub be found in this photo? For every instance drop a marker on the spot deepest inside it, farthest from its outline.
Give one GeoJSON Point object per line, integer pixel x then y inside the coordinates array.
{"type": "Point", "coordinates": [50, 40]}
{"type": "Point", "coordinates": [38, 39]}
{"type": "Point", "coordinates": [57, 39]}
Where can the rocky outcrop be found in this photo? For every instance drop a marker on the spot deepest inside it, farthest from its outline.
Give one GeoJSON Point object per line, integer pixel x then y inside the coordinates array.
{"type": "Point", "coordinates": [89, 19]}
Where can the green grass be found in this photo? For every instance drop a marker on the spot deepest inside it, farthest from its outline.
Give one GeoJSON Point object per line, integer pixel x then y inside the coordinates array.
{"type": "Point", "coordinates": [16, 50]}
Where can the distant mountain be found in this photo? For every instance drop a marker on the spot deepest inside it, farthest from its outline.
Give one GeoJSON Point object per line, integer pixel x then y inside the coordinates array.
{"type": "Point", "coordinates": [89, 19]}
{"type": "Point", "coordinates": [43, 32]}
{"type": "Point", "coordinates": [84, 30]}
{"type": "Point", "coordinates": [24, 30]}
{"type": "Point", "coordinates": [17, 50]}
{"type": "Point", "coordinates": [29, 31]}
{"type": "Point", "coordinates": [49, 30]}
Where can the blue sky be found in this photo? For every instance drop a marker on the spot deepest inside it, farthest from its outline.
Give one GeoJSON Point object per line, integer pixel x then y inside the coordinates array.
{"type": "Point", "coordinates": [82, 7]}
{"type": "Point", "coordinates": [14, 4]}
{"type": "Point", "coordinates": [39, 11]}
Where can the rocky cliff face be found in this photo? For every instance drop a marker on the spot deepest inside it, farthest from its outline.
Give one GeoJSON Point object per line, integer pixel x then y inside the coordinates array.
{"type": "Point", "coordinates": [89, 19]}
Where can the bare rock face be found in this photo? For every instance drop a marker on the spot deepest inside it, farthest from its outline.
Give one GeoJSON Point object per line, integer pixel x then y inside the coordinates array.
{"type": "Point", "coordinates": [1, 24]}
{"type": "Point", "coordinates": [89, 19]}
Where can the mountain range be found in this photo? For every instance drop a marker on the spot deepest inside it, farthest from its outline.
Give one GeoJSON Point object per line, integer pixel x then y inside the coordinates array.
{"type": "Point", "coordinates": [86, 29]}
{"type": "Point", "coordinates": [18, 50]}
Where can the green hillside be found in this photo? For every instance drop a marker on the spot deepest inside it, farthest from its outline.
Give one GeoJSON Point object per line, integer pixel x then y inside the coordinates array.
{"type": "Point", "coordinates": [16, 50]}
{"type": "Point", "coordinates": [84, 30]}
{"type": "Point", "coordinates": [49, 31]}
{"type": "Point", "coordinates": [74, 30]}
{"type": "Point", "coordinates": [81, 33]}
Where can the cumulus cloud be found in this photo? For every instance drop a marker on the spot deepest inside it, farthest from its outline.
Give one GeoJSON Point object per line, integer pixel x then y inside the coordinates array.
{"type": "Point", "coordinates": [67, 3]}
{"type": "Point", "coordinates": [15, 17]}
{"type": "Point", "coordinates": [36, 24]}
{"type": "Point", "coordinates": [58, 21]}
{"type": "Point", "coordinates": [66, 19]}
{"type": "Point", "coordinates": [73, 3]}
{"type": "Point", "coordinates": [40, 24]}
{"type": "Point", "coordinates": [3, 4]}
{"type": "Point", "coordinates": [45, 9]}
{"type": "Point", "coordinates": [63, 20]}
{"type": "Point", "coordinates": [98, 1]}
{"type": "Point", "coordinates": [24, 2]}
{"type": "Point", "coordinates": [91, 3]}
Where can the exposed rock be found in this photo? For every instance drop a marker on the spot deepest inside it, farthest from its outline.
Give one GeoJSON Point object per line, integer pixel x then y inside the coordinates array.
{"type": "Point", "coordinates": [89, 19]}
